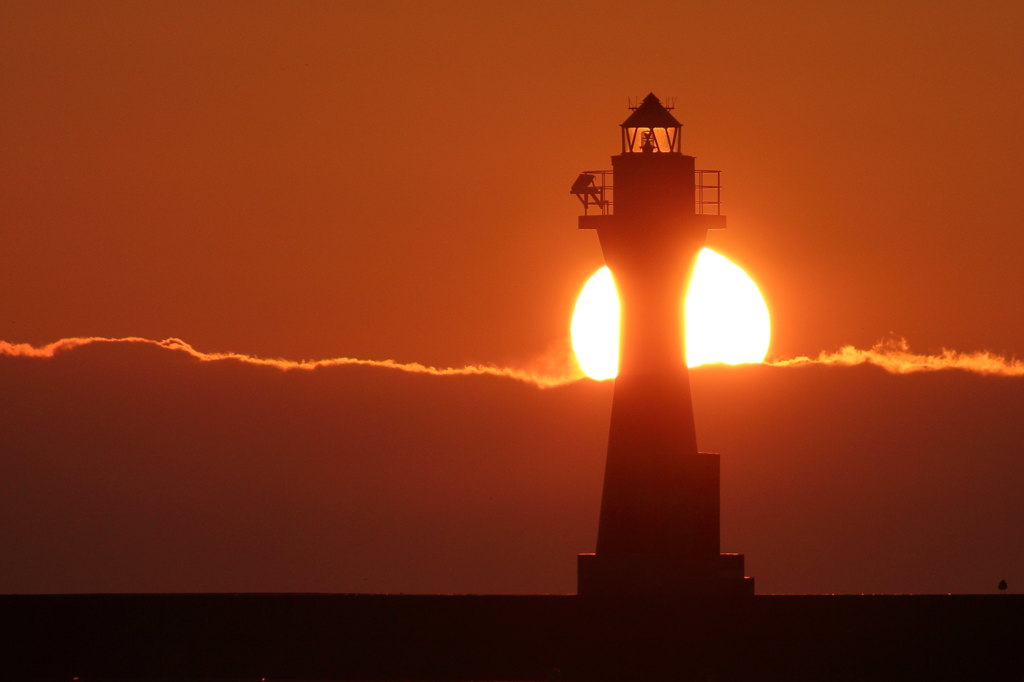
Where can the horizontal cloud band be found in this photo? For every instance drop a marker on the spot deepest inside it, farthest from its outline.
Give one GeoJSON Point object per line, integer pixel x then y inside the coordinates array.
{"type": "Point", "coordinates": [49, 350]}
{"type": "Point", "coordinates": [893, 356]}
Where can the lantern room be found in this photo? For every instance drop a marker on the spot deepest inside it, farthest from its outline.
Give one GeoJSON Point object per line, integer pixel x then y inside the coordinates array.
{"type": "Point", "coordinates": [650, 129]}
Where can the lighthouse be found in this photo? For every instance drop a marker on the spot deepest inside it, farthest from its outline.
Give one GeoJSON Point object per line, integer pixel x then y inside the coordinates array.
{"type": "Point", "coordinates": [658, 532]}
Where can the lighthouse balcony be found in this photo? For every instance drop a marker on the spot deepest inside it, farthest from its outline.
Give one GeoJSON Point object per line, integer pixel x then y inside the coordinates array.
{"type": "Point", "coordinates": [596, 193]}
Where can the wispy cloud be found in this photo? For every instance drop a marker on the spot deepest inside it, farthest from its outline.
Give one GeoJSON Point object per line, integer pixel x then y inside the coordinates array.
{"type": "Point", "coordinates": [895, 356]}
{"type": "Point", "coordinates": [545, 376]}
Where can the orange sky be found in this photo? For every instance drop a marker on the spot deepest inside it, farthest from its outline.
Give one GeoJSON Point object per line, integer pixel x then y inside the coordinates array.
{"type": "Point", "coordinates": [384, 180]}
{"type": "Point", "coordinates": [389, 180]}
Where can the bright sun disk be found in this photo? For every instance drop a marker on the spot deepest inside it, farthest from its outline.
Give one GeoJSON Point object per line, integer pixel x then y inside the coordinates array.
{"type": "Point", "coordinates": [727, 319]}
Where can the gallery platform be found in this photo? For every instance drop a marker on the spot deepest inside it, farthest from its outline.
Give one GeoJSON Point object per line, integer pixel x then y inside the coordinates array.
{"type": "Point", "coordinates": [542, 637]}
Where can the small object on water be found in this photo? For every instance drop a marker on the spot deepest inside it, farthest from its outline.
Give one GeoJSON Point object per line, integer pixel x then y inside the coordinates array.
{"type": "Point", "coordinates": [1002, 586]}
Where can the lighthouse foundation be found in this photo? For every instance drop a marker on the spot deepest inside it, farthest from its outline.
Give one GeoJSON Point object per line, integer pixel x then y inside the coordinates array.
{"type": "Point", "coordinates": [650, 575]}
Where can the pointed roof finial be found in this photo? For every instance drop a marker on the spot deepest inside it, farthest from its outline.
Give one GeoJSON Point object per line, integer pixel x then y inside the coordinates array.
{"type": "Point", "coordinates": [651, 114]}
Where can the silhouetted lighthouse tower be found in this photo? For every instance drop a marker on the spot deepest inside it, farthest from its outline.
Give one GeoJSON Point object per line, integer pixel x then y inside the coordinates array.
{"type": "Point", "coordinates": [659, 526]}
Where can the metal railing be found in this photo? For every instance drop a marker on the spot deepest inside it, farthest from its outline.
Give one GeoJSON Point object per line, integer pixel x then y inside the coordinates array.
{"type": "Point", "coordinates": [594, 189]}
{"type": "Point", "coordinates": [707, 185]}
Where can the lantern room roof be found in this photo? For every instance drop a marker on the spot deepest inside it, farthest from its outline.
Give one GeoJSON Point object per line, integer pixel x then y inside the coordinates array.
{"type": "Point", "coordinates": [651, 114]}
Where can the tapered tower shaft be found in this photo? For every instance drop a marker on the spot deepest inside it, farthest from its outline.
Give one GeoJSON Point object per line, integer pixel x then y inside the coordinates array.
{"type": "Point", "coordinates": [660, 495]}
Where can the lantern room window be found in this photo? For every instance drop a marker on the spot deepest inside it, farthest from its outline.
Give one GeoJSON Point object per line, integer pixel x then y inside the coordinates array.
{"type": "Point", "coordinates": [650, 140]}
{"type": "Point", "coordinates": [650, 129]}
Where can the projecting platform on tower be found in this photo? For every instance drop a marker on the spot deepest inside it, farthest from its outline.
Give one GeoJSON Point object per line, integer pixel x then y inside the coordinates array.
{"type": "Point", "coordinates": [596, 193]}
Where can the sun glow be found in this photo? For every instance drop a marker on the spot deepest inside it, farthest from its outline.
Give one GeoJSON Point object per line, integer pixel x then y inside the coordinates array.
{"type": "Point", "coordinates": [727, 317]}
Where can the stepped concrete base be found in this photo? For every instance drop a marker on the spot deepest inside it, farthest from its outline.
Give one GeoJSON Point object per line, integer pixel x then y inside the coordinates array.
{"type": "Point", "coordinates": [638, 575]}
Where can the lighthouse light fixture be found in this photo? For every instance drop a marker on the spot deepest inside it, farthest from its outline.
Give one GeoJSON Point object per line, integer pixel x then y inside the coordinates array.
{"type": "Point", "coordinates": [650, 129]}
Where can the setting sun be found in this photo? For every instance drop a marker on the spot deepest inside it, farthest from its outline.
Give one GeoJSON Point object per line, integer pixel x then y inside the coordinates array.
{"type": "Point", "coordinates": [727, 316]}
